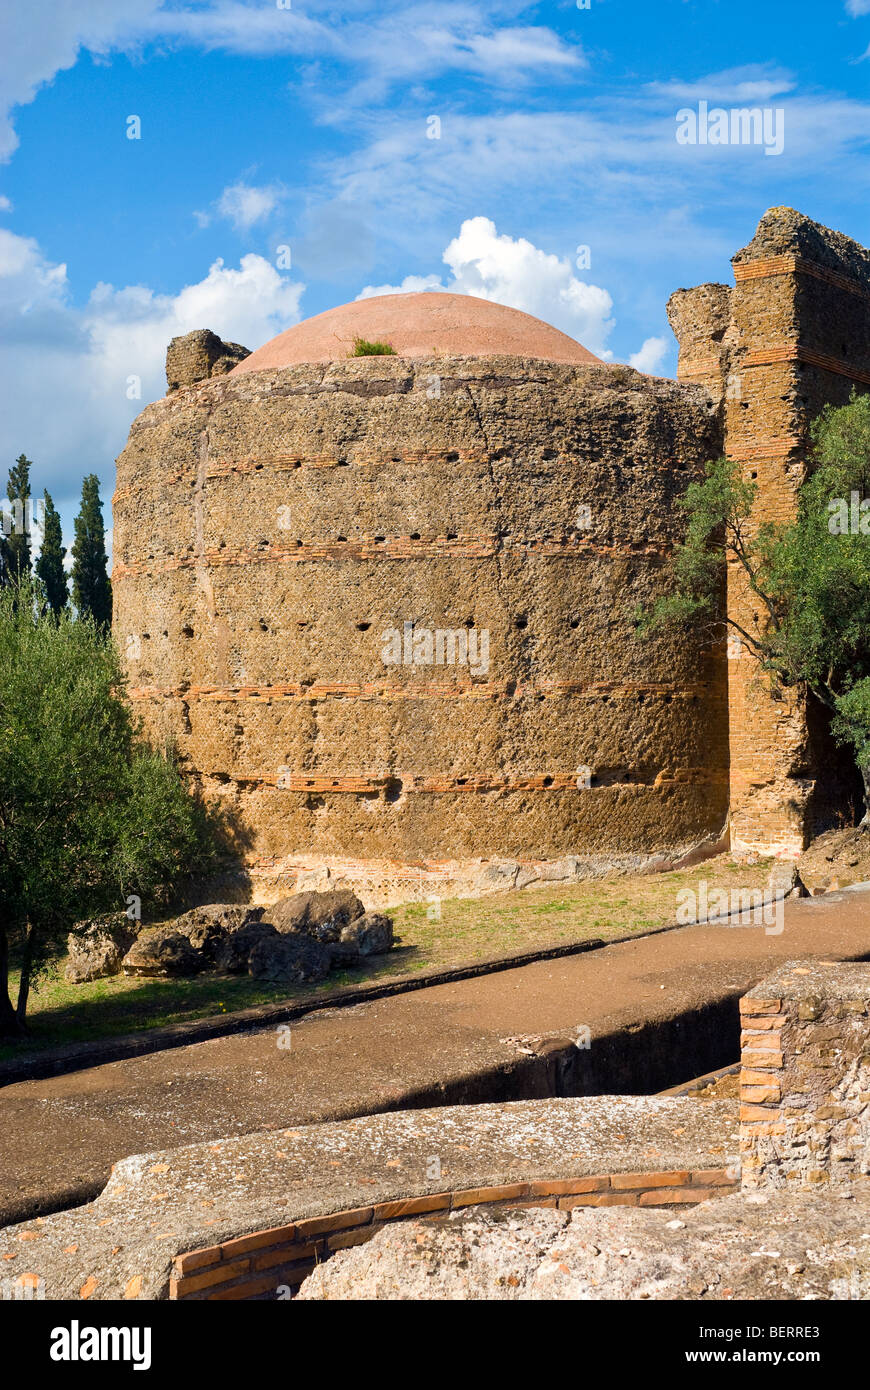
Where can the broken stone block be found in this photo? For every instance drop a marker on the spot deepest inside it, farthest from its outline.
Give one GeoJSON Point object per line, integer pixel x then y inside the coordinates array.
{"type": "Point", "coordinates": [292, 958]}
{"type": "Point", "coordinates": [319, 915]}
{"type": "Point", "coordinates": [234, 953]}
{"type": "Point", "coordinates": [196, 356]}
{"type": "Point", "coordinates": [370, 935]}
{"type": "Point", "coordinates": [98, 947]}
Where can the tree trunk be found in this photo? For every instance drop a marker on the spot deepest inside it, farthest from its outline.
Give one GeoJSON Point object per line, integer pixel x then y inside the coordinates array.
{"type": "Point", "coordinates": [9, 1024]}
{"type": "Point", "coordinates": [24, 982]}
{"type": "Point", "coordinates": [865, 773]}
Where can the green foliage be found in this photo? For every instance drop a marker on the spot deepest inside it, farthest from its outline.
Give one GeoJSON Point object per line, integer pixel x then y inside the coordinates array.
{"type": "Point", "coordinates": [49, 565]}
{"type": "Point", "coordinates": [851, 724]}
{"type": "Point", "coordinates": [88, 812]}
{"type": "Point", "coordinates": [363, 348]}
{"type": "Point", "coordinates": [811, 577]}
{"type": "Point", "coordinates": [92, 590]}
{"type": "Point", "coordinates": [716, 510]}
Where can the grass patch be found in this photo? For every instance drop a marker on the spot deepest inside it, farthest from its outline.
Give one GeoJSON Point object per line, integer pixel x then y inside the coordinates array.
{"type": "Point", "coordinates": [469, 930]}
{"type": "Point", "coordinates": [363, 348]}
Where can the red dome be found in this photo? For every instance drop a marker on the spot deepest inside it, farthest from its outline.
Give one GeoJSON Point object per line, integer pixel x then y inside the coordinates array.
{"type": "Point", "coordinates": [419, 325]}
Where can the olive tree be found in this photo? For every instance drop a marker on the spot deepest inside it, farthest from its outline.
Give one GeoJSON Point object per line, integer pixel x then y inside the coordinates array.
{"type": "Point", "coordinates": [89, 813]}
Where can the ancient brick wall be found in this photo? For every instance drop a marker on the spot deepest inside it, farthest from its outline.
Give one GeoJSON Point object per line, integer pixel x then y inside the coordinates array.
{"type": "Point", "coordinates": [196, 356]}
{"type": "Point", "coordinates": [805, 1077]}
{"type": "Point", "coordinates": [256, 1265]}
{"type": "Point", "coordinates": [798, 337]}
{"type": "Point", "coordinates": [271, 528]}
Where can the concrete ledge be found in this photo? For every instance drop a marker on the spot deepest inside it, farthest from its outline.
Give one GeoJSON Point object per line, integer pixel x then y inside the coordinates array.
{"type": "Point", "coordinates": [241, 1217]}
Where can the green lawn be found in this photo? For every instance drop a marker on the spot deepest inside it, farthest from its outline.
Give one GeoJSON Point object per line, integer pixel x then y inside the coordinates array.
{"type": "Point", "coordinates": [469, 931]}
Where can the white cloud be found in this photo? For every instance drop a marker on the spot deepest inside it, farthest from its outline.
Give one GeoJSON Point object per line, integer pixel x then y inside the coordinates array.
{"type": "Point", "coordinates": [243, 204]}
{"type": "Point", "coordinates": [412, 284]}
{"type": "Point", "coordinates": [650, 356]}
{"type": "Point", "coordinates": [751, 83]}
{"type": "Point", "coordinates": [513, 271]}
{"type": "Point", "coordinates": [68, 369]}
{"type": "Point", "coordinates": [515, 49]}
{"type": "Point", "coordinates": [5, 203]}
{"type": "Point", "coordinates": [388, 44]}
{"type": "Point", "coordinates": [858, 7]}
{"type": "Point", "coordinates": [43, 38]}
{"type": "Point", "coordinates": [624, 158]}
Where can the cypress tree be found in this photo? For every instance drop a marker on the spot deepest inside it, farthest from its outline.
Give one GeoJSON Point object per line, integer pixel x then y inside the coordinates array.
{"type": "Point", "coordinates": [17, 543]}
{"type": "Point", "coordinates": [92, 589]}
{"type": "Point", "coordinates": [49, 566]}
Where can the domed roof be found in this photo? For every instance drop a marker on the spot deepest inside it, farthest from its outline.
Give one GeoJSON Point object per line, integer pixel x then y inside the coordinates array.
{"type": "Point", "coordinates": [419, 325]}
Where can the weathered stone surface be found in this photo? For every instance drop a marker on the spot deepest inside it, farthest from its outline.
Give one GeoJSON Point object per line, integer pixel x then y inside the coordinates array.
{"type": "Point", "coordinates": [291, 958]}
{"type": "Point", "coordinates": [166, 1202]}
{"type": "Point", "coordinates": [97, 948]}
{"type": "Point", "coordinates": [164, 951]}
{"type": "Point", "coordinates": [190, 943]}
{"type": "Point", "coordinates": [207, 927]}
{"type": "Point", "coordinates": [196, 356]}
{"type": "Point", "coordinates": [227, 917]}
{"type": "Point", "coordinates": [700, 319]}
{"type": "Point", "coordinates": [776, 1247]}
{"type": "Point", "coordinates": [788, 339]}
{"type": "Point", "coordinates": [506, 506]}
{"type": "Point", "coordinates": [370, 935]}
{"type": "Point", "coordinates": [805, 1078]}
{"type": "Point", "coordinates": [322, 916]}
{"type": "Point", "coordinates": [234, 953]}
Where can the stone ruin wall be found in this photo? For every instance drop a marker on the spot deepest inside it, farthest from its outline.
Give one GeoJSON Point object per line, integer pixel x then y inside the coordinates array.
{"type": "Point", "coordinates": [270, 527]}
{"type": "Point", "coordinates": [253, 635]}
{"type": "Point", "coordinates": [792, 336]}
{"type": "Point", "coordinates": [805, 1077]}
{"type": "Point", "coordinates": [196, 356]}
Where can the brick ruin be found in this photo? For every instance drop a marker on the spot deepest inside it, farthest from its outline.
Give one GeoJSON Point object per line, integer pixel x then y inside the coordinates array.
{"type": "Point", "coordinates": [297, 545]}
{"type": "Point", "coordinates": [792, 335]}
{"type": "Point", "coordinates": [805, 1077]}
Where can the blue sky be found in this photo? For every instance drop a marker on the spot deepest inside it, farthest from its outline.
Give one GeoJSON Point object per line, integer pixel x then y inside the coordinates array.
{"type": "Point", "coordinates": [264, 127]}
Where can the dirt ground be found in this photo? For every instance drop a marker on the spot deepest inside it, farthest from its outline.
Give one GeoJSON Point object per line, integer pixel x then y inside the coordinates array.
{"type": "Point", "coordinates": [59, 1137]}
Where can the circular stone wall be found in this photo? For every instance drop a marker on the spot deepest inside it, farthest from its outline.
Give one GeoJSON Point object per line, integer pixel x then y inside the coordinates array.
{"type": "Point", "coordinates": [296, 548]}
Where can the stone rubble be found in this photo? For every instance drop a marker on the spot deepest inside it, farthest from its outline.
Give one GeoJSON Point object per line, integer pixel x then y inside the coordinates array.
{"type": "Point", "coordinates": [775, 1246]}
